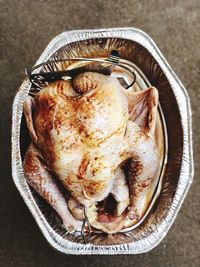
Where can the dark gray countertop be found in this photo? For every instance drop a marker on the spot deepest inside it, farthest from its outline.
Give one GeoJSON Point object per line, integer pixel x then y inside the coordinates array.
{"type": "Point", "coordinates": [26, 28]}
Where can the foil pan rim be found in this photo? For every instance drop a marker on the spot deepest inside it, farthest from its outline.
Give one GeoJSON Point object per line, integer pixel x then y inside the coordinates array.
{"type": "Point", "coordinates": [186, 174]}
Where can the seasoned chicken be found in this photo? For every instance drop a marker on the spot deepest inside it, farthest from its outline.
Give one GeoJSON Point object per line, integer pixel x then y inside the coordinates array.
{"type": "Point", "coordinates": [84, 132]}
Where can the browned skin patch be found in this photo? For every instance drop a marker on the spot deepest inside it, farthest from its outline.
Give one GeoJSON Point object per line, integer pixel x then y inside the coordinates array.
{"type": "Point", "coordinates": [136, 167]}
{"type": "Point", "coordinates": [92, 187]}
{"type": "Point", "coordinates": [82, 168]}
{"type": "Point", "coordinates": [136, 186]}
{"type": "Point", "coordinates": [30, 165]}
{"type": "Point", "coordinates": [124, 155]}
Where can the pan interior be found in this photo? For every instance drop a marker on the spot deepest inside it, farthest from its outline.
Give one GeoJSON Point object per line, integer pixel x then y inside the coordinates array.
{"type": "Point", "coordinates": [148, 72]}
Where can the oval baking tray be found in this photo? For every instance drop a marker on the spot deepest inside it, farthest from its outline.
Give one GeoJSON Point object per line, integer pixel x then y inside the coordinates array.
{"type": "Point", "coordinates": [176, 173]}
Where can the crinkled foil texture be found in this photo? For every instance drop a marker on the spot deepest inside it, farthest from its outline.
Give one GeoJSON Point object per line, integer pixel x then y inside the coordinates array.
{"type": "Point", "coordinates": [138, 48]}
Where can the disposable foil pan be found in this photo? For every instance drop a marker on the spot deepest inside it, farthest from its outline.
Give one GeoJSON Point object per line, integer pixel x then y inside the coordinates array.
{"type": "Point", "coordinates": [138, 48]}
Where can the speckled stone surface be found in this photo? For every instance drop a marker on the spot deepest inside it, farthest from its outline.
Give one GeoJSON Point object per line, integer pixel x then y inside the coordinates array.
{"type": "Point", "coordinates": [26, 28]}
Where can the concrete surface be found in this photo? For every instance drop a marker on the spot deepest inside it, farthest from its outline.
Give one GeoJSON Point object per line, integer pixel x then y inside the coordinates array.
{"type": "Point", "coordinates": [26, 28]}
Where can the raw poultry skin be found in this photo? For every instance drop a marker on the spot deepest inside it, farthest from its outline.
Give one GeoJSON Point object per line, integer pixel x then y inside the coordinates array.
{"type": "Point", "coordinates": [82, 137]}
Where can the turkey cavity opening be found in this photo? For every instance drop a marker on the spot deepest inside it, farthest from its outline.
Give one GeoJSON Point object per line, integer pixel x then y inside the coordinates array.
{"type": "Point", "coordinates": [106, 209]}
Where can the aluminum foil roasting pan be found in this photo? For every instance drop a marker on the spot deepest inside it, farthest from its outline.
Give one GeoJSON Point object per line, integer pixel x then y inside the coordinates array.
{"type": "Point", "coordinates": [139, 49]}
